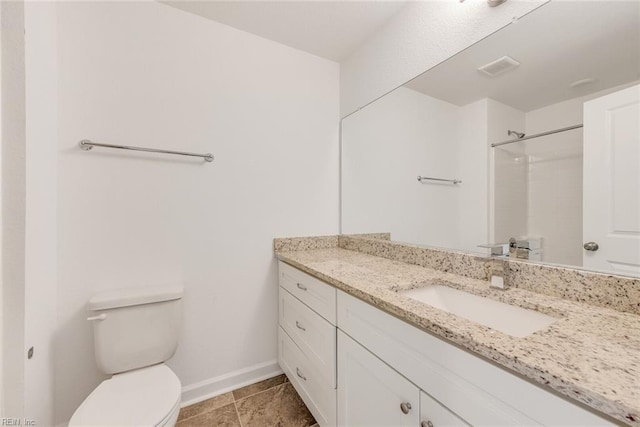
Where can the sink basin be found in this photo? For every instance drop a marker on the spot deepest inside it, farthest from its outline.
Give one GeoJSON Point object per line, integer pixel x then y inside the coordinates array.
{"type": "Point", "coordinates": [510, 319]}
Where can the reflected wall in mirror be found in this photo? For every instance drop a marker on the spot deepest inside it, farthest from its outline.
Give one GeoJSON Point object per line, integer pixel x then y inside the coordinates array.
{"type": "Point", "coordinates": [540, 123]}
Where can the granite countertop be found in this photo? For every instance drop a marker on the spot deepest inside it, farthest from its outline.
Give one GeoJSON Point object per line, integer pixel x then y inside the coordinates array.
{"type": "Point", "coordinates": [589, 354]}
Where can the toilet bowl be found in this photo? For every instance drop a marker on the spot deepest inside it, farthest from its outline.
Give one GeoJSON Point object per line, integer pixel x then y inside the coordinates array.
{"type": "Point", "coordinates": [135, 332]}
{"type": "Point", "coordinates": [143, 397]}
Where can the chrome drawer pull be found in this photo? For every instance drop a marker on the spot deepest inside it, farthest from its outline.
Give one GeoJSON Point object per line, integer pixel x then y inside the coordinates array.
{"type": "Point", "coordinates": [300, 374]}
{"type": "Point", "coordinates": [405, 407]}
{"type": "Point", "coordinates": [426, 424]}
{"type": "Point", "coordinates": [302, 328]}
{"type": "Point", "coordinates": [301, 286]}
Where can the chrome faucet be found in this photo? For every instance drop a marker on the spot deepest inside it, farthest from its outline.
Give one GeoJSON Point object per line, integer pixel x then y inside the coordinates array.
{"type": "Point", "coordinates": [496, 274]}
{"type": "Point", "coordinates": [523, 249]}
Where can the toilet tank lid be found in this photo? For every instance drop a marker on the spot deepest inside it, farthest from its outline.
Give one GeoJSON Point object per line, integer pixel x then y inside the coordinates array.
{"type": "Point", "coordinates": [134, 296]}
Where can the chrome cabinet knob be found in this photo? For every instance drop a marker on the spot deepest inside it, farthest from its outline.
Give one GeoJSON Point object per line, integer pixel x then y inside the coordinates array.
{"type": "Point", "coordinates": [591, 246]}
{"type": "Point", "coordinates": [405, 407]}
{"type": "Point", "coordinates": [426, 424]}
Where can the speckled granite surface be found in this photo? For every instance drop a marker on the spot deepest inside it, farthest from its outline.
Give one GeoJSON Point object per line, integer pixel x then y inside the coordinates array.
{"type": "Point", "coordinates": [599, 289]}
{"type": "Point", "coordinates": [455, 262]}
{"type": "Point", "coordinates": [590, 354]}
{"type": "Point", "coordinates": [377, 236]}
{"type": "Point", "coordinates": [285, 244]}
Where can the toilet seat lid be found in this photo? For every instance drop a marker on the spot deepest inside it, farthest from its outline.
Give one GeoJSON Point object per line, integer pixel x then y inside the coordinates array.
{"type": "Point", "coordinates": [143, 397]}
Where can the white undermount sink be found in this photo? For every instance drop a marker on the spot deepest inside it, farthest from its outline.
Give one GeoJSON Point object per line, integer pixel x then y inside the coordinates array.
{"type": "Point", "coordinates": [510, 319]}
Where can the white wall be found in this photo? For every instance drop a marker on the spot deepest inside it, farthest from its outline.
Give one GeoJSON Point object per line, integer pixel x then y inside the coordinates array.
{"type": "Point", "coordinates": [29, 262]}
{"type": "Point", "coordinates": [41, 243]}
{"type": "Point", "coordinates": [268, 113]}
{"type": "Point", "coordinates": [384, 148]}
{"type": "Point", "coordinates": [13, 206]}
{"type": "Point", "coordinates": [472, 167]}
{"type": "Point", "coordinates": [420, 36]}
{"type": "Point", "coordinates": [1, 258]}
{"type": "Point", "coordinates": [389, 143]}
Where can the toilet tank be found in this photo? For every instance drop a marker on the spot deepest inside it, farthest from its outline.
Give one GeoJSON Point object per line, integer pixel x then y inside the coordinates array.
{"type": "Point", "coordinates": [134, 328]}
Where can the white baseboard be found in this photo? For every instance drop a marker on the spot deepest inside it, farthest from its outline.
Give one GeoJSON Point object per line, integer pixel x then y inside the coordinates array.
{"type": "Point", "coordinates": [212, 387]}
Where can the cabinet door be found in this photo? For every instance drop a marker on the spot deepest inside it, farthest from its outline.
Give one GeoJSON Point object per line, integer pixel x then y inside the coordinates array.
{"type": "Point", "coordinates": [370, 393]}
{"type": "Point", "coordinates": [433, 414]}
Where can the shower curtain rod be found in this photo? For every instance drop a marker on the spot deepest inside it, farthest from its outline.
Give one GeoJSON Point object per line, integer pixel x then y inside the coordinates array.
{"type": "Point", "coordinates": [537, 135]}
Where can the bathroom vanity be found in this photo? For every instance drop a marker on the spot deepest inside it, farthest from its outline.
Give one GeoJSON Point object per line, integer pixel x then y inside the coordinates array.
{"type": "Point", "coordinates": [361, 351]}
{"type": "Point", "coordinates": [534, 144]}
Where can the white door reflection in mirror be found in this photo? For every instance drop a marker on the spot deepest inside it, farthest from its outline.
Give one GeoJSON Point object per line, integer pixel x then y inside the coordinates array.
{"type": "Point", "coordinates": [612, 182]}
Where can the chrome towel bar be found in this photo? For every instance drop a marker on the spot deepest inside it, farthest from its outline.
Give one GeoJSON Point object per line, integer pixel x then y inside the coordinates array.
{"type": "Point", "coordinates": [425, 178]}
{"type": "Point", "coordinates": [87, 145]}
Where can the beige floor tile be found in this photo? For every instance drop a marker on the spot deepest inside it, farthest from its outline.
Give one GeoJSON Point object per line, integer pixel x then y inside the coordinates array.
{"type": "Point", "coordinates": [225, 416]}
{"type": "Point", "coordinates": [205, 406]}
{"type": "Point", "coordinates": [249, 390]}
{"type": "Point", "coordinates": [277, 406]}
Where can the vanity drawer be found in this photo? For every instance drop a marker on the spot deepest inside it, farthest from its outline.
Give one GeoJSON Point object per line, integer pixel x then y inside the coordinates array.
{"type": "Point", "coordinates": [319, 397]}
{"type": "Point", "coordinates": [319, 296]}
{"type": "Point", "coordinates": [314, 336]}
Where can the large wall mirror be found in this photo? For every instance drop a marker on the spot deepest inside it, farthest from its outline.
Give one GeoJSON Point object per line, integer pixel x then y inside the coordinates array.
{"type": "Point", "coordinates": [526, 144]}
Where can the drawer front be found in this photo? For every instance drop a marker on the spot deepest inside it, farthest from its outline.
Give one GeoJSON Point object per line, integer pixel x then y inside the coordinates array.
{"type": "Point", "coordinates": [312, 388]}
{"type": "Point", "coordinates": [431, 411]}
{"type": "Point", "coordinates": [319, 296]}
{"type": "Point", "coordinates": [313, 335]}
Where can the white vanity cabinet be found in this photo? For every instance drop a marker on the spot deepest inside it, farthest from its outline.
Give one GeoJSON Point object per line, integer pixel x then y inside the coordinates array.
{"type": "Point", "coordinates": [459, 387]}
{"type": "Point", "coordinates": [307, 340]}
{"type": "Point", "coordinates": [355, 365]}
{"type": "Point", "coordinates": [370, 393]}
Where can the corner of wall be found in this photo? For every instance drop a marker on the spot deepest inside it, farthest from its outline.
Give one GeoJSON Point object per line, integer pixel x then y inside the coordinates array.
{"type": "Point", "coordinates": [41, 237]}
{"type": "Point", "coordinates": [13, 205]}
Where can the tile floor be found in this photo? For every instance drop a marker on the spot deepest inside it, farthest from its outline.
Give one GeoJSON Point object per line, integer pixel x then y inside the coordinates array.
{"type": "Point", "coordinates": [272, 402]}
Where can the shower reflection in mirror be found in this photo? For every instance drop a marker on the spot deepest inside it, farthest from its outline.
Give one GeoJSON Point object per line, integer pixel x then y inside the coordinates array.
{"type": "Point", "coordinates": [506, 117]}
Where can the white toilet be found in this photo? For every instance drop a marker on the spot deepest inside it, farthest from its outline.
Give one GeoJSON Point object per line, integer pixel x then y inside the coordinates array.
{"type": "Point", "coordinates": [135, 332]}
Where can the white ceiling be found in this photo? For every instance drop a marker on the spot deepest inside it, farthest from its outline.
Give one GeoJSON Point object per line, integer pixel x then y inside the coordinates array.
{"type": "Point", "coordinates": [330, 29]}
{"type": "Point", "coordinates": [557, 44]}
